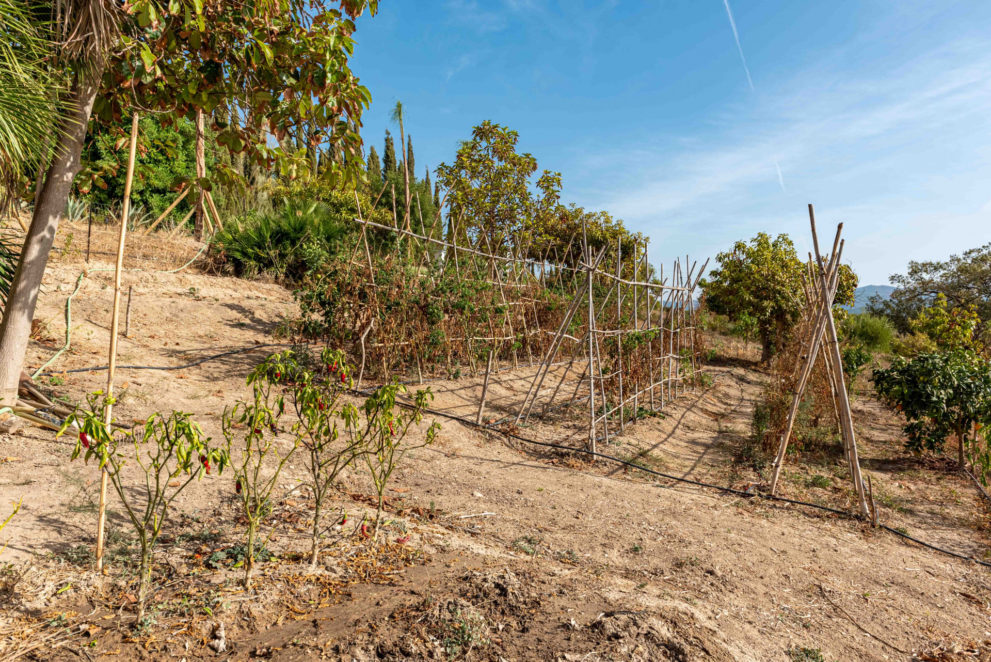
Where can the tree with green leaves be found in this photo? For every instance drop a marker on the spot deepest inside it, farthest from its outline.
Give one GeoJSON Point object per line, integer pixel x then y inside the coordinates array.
{"type": "Point", "coordinates": [374, 166]}
{"type": "Point", "coordinates": [489, 189]}
{"type": "Point", "coordinates": [965, 280]}
{"type": "Point", "coordinates": [410, 161]}
{"type": "Point", "coordinates": [761, 281]}
{"type": "Point", "coordinates": [942, 395]}
{"type": "Point", "coordinates": [281, 63]}
{"type": "Point", "coordinates": [166, 164]}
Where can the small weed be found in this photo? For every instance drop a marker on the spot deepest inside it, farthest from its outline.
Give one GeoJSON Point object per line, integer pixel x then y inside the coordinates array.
{"type": "Point", "coordinates": [205, 536]}
{"type": "Point", "coordinates": [55, 380]}
{"type": "Point", "coordinates": [567, 556]}
{"type": "Point", "coordinates": [805, 655]}
{"type": "Point", "coordinates": [818, 480]}
{"type": "Point", "coordinates": [636, 549]}
{"type": "Point", "coordinates": [465, 630]}
{"type": "Point", "coordinates": [527, 545]}
{"type": "Point", "coordinates": [233, 557]}
{"type": "Point", "coordinates": [690, 562]}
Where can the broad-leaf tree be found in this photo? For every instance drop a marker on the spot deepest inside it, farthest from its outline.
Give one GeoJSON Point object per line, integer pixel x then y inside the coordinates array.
{"type": "Point", "coordinates": [761, 281]}
{"type": "Point", "coordinates": [489, 189]}
{"type": "Point", "coordinates": [965, 280]}
{"type": "Point", "coordinates": [941, 395]}
{"type": "Point", "coordinates": [281, 63]}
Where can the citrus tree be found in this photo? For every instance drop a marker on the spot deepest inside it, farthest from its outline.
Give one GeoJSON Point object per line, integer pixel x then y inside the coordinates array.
{"type": "Point", "coordinates": [941, 395]}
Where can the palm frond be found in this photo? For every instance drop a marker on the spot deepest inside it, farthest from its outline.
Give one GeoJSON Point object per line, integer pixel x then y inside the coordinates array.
{"type": "Point", "coordinates": [27, 99]}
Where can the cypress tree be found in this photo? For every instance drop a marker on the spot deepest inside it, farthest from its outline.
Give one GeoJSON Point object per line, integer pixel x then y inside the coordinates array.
{"type": "Point", "coordinates": [389, 159]}
{"type": "Point", "coordinates": [426, 180]}
{"type": "Point", "coordinates": [374, 165]}
{"type": "Point", "coordinates": [437, 195]}
{"type": "Point", "coordinates": [409, 157]}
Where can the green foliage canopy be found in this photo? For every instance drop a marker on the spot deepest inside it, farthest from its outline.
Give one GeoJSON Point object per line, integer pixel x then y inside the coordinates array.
{"type": "Point", "coordinates": [941, 394]}
{"type": "Point", "coordinates": [965, 280]}
{"type": "Point", "coordinates": [284, 63]}
{"type": "Point", "coordinates": [761, 281]}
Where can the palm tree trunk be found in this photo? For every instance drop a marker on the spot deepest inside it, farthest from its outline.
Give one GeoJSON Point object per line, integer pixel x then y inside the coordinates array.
{"type": "Point", "coordinates": [19, 311]}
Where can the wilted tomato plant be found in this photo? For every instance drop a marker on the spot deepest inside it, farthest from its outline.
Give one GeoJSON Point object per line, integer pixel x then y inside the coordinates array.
{"type": "Point", "coordinates": [170, 450]}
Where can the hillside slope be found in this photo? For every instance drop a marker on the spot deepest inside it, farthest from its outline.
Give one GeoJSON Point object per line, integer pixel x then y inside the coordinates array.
{"type": "Point", "coordinates": [498, 550]}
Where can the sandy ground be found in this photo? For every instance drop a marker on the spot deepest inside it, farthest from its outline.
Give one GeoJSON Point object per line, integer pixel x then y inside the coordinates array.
{"type": "Point", "coordinates": [514, 553]}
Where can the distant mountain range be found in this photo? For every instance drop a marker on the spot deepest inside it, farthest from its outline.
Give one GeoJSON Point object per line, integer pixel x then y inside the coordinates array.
{"type": "Point", "coordinates": [863, 294]}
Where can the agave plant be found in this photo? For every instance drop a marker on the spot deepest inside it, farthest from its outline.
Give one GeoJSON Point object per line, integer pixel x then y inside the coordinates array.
{"type": "Point", "coordinates": [76, 209]}
{"type": "Point", "coordinates": [137, 216]}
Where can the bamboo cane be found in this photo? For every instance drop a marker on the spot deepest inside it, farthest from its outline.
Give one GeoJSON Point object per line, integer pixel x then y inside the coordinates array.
{"type": "Point", "coordinates": [182, 194]}
{"type": "Point", "coordinates": [485, 390]}
{"type": "Point", "coordinates": [114, 324]}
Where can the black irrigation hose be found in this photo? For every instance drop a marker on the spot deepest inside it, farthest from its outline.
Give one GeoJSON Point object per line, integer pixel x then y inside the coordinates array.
{"type": "Point", "coordinates": [689, 481]}
{"type": "Point", "coordinates": [548, 444]}
{"type": "Point", "coordinates": [241, 350]}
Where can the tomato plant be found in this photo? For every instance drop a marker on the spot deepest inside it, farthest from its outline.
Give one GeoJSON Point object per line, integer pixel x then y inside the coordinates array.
{"type": "Point", "coordinates": [941, 394]}
{"type": "Point", "coordinates": [171, 451]}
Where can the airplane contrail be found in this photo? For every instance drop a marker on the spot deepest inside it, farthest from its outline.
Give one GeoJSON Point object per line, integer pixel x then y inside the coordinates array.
{"type": "Point", "coordinates": [781, 180]}
{"type": "Point", "coordinates": [739, 48]}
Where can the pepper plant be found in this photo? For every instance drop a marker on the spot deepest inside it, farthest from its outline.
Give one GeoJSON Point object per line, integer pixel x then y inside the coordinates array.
{"type": "Point", "coordinates": [388, 427]}
{"type": "Point", "coordinates": [170, 450]}
{"type": "Point", "coordinates": [328, 440]}
{"type": "Point", "coordinates": [942, 394]}
{"type": "Point", "coordinates": [251, 429]}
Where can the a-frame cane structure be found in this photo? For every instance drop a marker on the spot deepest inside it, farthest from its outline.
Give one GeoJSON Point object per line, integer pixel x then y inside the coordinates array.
{"type": "Point", "coordinates": [822, 281]}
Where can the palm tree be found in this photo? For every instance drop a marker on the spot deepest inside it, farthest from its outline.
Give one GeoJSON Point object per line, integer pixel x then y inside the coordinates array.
{"type": "Point", "coordinates": [27, 111]}
{"type": "Point", "coordinates": [400, 117]}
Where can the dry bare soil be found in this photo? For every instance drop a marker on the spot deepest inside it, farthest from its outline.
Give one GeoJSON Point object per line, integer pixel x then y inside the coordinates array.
{"type": "Point", "coordinates": [493, 550]}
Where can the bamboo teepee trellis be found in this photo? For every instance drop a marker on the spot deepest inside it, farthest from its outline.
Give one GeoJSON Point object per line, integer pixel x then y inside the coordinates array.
{"type": "Point", "coordinates": [822, 280]}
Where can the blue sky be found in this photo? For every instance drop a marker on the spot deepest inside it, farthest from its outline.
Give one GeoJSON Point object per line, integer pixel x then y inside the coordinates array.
{"type": "Point", "coordinates": [878, 112]}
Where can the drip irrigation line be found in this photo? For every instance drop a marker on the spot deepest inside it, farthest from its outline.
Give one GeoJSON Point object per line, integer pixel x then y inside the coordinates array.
{"type": "Point", "coordinates": [68, 307]}
{"type": "Point", "coordinates": [679, 479]}
{"type": "Point", "coordinates": [184, 366]}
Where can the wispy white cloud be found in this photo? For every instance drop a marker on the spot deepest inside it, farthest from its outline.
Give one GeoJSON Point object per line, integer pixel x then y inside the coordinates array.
{"type": "Point", "coordinates": [866, 147]}
{"type": "Point", "coordinates": [463, 62]}
{"type": "Point", "coordinates": [739, 48]}
{"type": "Point", "coordinates": [471, 14]}
{"type": "Point", "coordinates": [781, 179]}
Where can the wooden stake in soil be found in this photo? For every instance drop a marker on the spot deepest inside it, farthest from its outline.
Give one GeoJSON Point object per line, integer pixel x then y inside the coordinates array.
{"type": "Point", "coordinates": [127, 314]}
{"type": "Point", "coordinates": [185, 191]}
{"type": "Point", "coordinates": [114, 324]}
{"type": "Point", "coordinates": [200, 207]}
{"type": "Point", "coordinates": [485, 389]}
{"type": "Point", "coordinates": [89, 235]}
